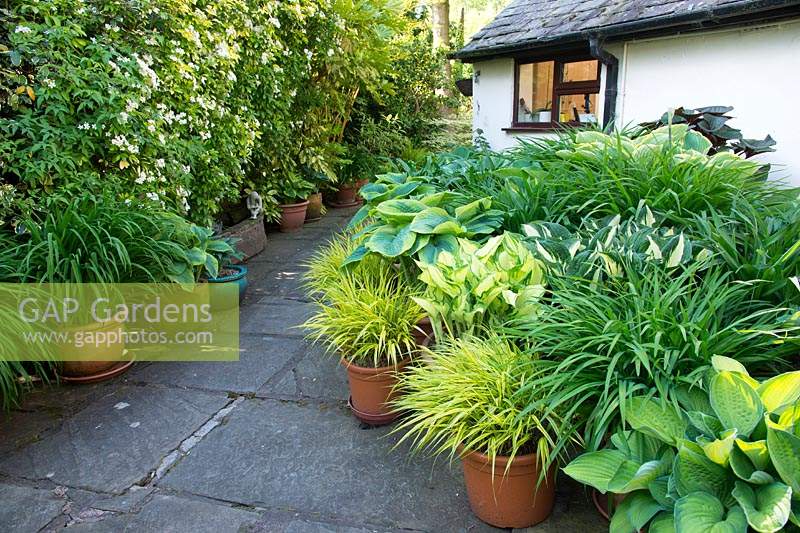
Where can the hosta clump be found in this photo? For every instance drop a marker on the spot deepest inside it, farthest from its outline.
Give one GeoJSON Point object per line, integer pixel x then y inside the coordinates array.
{"type": "Point", "coordinates": [411, 219]}
{"type": "Point", "coordinates": [717, 461]}
{"type": "Point", "coordinates": [598, 248]}
{"type": "Point", "coordinates": [480, 285]}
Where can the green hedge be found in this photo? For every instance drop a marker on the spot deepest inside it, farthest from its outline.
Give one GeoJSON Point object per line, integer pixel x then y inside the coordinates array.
{"type": "Point", "coordinates": [188, 103]}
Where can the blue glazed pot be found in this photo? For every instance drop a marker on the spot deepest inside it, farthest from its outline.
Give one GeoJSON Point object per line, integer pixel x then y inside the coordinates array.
{"type": "Point", "coordinates": [240, 278]}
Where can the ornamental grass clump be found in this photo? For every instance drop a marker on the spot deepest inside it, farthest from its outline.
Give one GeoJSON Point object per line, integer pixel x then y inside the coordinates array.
{"type": "Point", "coordinates": [466, 398]}
{"type": "Point", "coordinates": [367, 317]}
{"type": "Point", "coordinates": [647, 331]}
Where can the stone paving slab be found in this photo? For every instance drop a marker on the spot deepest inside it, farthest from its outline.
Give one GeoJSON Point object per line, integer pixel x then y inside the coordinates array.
{"type": "Point", "coordinates": [276, 316]}
{"type": "Point", "coordinates": [18, 428]}
{"type": "Point", "coordinates": [116, 441]}
{"type": "Point", "coordinates": [314, 458]}
{"type": "Point", "coordinates": [317, 375]}
{"type": "Point", "coordinates": [261, 357]}
{"type": "Point", "coordinates": [26, 509]}
{"type": "Point", "coordinates": [171, 514]}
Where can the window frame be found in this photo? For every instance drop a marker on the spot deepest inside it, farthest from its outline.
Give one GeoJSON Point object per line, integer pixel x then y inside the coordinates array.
{"type": "Point", "coordinates": [560, 88]}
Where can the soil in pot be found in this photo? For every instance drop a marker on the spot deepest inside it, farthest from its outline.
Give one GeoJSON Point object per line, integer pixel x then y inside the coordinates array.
{"type": "Point", "coordinates": [314, 211]}
{"type": "Point", "coordinates": [372, 390]}
{"type": "Point", "coordinates": [508, 499]}
{"type": "Point", "coordinates": [293, 216]}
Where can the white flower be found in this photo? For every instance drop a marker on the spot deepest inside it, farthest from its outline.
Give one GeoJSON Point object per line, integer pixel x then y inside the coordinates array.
{"type": "Point", "coordinates": [151, 41]}
{"type": "Point", "coordinates": [330, 52]}
{"type": "Point", "coordinates": [160, 163]}
{"type": "Point", "coordinates": [186, 169]}
{"type": "Point", "coordinates": [49, 83]}
{"type": "Point", "coordinates": [230, 32]}
{"type": "Point", "coordinates": [22, 29]}
{"type": "Point", "coordinates": [205, 135]}
{"type": "Point", "coordinates": [309, 53]}
{"type": "Point", "coordinates": [275, 22]}
{"type": "Point", "coordinates": [123, 117]}
{"type": "Point", "coordinates": [223, 50]}
{"type": "Point", "coordinates": [152, 196]}
{"type": "Point", "coordinates": [231, 75]}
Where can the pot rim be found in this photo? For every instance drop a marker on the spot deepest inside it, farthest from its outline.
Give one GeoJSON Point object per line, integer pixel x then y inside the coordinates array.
{"type": "Point", "coordinates": [241, 272]}
{"type": "Point", "coordinates": [371, 371]}
{"type": "Point", "coordinates": [500, 460]}
{"type": "Point", "coordinates": [298, 204]}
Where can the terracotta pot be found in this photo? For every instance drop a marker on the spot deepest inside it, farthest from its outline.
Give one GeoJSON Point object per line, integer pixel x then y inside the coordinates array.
{"type": "Point", "coordinates": [345, 197]}
{"type": "Point", "coordinates": [94, 368]}
{"type": "Point", "coordinates": [371, 391]}
{"type": "Point", "coordinates": [361, 183]}
{"type": "Point", "coordinates": [508, 499]}
{"type": "Point", "coordinates": [293, 216]}
{"type": "Point", "coordinates": [424, 331]}
{"type": "Point", "coordinates": [601, 502]}
{"type": "Point", "coordinates": [314, 211]}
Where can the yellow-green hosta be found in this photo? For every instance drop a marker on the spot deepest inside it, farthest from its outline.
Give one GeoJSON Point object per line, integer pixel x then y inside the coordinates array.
{"type": "Point", "coordinates": [724, 460]}
{"type": "Point", "coordinates": [482, 284]}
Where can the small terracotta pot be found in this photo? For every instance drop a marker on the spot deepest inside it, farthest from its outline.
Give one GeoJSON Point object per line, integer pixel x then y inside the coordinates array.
{"type": "Point", "coordinates": [293, 216]}
{"type": "Point", "coordinates": [361, 183]}
{"type": "Point", "coordinates": [508, 499]}
{"type": "Point", "coordinates": [345, 197]}
{"type": "Point", "coordinates": [314, 211]}
{"type": "Point", "coordinates": [372, 390]}
{"type": "Point", "coordinates": [93, 367]}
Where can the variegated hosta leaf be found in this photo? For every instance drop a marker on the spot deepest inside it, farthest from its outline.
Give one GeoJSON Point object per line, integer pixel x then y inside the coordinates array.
{"type": "Point", "coordinates": [766, 507]}
{"type": "Point", "coordinates": [701, 512]}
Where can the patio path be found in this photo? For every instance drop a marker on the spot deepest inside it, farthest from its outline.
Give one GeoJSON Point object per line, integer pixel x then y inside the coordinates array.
{"type": "Point", "coordinates": [263, 444]}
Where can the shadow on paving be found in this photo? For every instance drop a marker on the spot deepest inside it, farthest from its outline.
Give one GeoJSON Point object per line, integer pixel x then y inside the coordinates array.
{"type": "Point", "coordinates": [262, 444]}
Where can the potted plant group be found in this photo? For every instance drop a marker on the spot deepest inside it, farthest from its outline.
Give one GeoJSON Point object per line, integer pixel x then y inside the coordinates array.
{"type": "Point", "coordinates": [293, 198]}
{"type": "Point", "coordinates": [346, 194]}
{"type": "Point", "coordinates": [725, 459]}
{"type": "Point", "coordinates": [315, 208]}
{"type": "Point", "coordinates": [367, 316]}
{"type": "Point", "coordinates": [464, 401]}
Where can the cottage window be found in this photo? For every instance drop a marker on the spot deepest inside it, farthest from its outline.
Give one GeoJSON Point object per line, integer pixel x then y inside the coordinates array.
{"type": "Point", "coordinates": [549, 93]}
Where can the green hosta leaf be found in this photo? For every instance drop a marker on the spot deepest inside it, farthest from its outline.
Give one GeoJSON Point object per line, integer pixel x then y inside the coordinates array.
{"type": "Point", "coordinates": [372, 192]}
{"type": "Point", "coordinates": [596, 469]}
{"type": "Point", "coordinates": [721, 363]}
{"type": "Point", "coordinates": [780, 390]}
{"type": "Point", "coordinates": [465, 212]}
{"type": "Point", "coordinates": [484, 223]}
{"type": "Point", "coordinates": [693, 471]}
{"type": "Point", "coordinates": [784, 450]}
{"type": "Point", "coordinates": [744, 469]}
{"type": "Point", "coordinates": [401, 191]}
{"type": "Point", "coordinates": [719, 450]}
{"type": "Point", "coordinates": [437, 244]}
{"type": "Point", "coordinates": [218, 245]}
{"type": "Point", "coordinates": [664, 522]}
{"type": "Point", "coordinates": [700, 512]}
{"type": "Point", "coordinates": [357, 255]}
{"type": "Point", "coordinates": [633, 513]}
{"type": "Point", "coordinates": [633, 476]}
{"type": "Point", "coordinates": [390, 241]}
{"type": "Point", "coordinates": [652, 418]}
{"type": "Point", "coordinates": [736, 403]}
{"type": "Point", "coordinates": [360, 215]}
{"type": "Point", "coordinates": [694, 399]}
{"type": "Point", "coordinates": [638, 446]}
{"type": "Point", "coordinates": [707, 424]}
{"type": "Point", "coordinates": [659, 490]}
{"type": "Point", "coordinates": [756, 451]}
{"type": "Point", "coordinates": [435, 220]}
{"type": "Point", "coordinates": [767, 507]}
{"type": "Point", "coordinates": [400, 211]}
{"type": "Point", "coordinates": [196, 256]}
{"type": "Point", "coordinates": [212, 266]}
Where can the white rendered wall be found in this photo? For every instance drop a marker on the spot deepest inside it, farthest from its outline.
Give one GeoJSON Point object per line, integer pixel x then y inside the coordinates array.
{"type": "Point", "coordinates": [755, 70]}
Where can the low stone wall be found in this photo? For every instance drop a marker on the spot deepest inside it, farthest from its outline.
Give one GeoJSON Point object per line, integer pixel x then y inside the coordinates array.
{"type": "Point", "coordinates": [252, 239]}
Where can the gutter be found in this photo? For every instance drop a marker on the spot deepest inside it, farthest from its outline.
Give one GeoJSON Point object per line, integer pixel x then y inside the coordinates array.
{"type": "Point", "coordinates": [611, 62]}
{"type": "Point", "coordinates": [735, 13]}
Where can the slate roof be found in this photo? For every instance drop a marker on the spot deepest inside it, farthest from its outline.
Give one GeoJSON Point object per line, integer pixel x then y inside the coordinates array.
{"type": "Point", "coordinates": [528, 24]}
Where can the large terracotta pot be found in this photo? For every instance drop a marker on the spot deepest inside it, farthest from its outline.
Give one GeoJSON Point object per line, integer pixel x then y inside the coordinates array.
{"type": "Point", "coordinates": [508, 499]}
{"type": "Point", "coordinates": [314, 211]}
{"type": "Point", "coordinates": [293, 216]}
{"type": "Point", "coordinates": [372, 390]}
